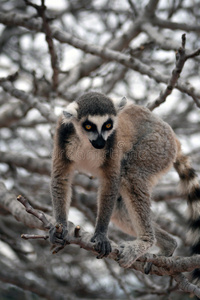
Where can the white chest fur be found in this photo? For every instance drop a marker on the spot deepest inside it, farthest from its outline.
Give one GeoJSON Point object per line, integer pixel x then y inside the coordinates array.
{"type": "Point", "coordinates": [85, 156]}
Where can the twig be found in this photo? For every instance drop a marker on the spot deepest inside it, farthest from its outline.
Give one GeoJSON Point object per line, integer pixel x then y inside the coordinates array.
{"type": "Point", "coordinates": [43, 219]}
{"type": "Point", "coordinates": [38, 214]}
{"type": "Point", "coordinates": [77, 231]}
{"type": "Point", "coordinates": [34, 236]}
{"type": "Point", "coordinates": [181, 58]}
{"type": "Point", "coordinates": [41, 9]}
{"type": "Point", "coordinates": [11, 77]}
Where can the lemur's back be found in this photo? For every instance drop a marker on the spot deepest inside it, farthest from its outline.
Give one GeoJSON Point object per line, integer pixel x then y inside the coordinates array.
{"type": "Point", "coordinates": [153, 146]}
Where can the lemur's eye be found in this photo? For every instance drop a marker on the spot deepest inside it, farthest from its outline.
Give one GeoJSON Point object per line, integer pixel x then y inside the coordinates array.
{"type": "Point", "coordinates": [88, 127]}
{"type": "Point", "coordinates": [108, 126]}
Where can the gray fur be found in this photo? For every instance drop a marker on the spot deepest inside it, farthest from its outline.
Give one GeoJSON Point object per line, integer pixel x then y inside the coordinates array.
{"type": "Point", "coordinates": [138, 150]}
{"type": "Point", "coordinates": [93, 103]}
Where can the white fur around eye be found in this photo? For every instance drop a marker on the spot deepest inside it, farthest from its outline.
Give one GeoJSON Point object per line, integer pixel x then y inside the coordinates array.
{"type": "Point", "coordinates": [105, 134]}
{"type": "Point", "coordinates": [98, 121]}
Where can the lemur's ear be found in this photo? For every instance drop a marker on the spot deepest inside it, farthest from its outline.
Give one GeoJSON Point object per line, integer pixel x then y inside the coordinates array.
{"type": "Point", "coordinates": [71, 111]}
{"type": "Point", "coordinates": [119, 104]}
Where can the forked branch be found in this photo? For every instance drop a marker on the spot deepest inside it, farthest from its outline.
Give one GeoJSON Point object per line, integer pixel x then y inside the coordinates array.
{"type": "Point", "coordinates": [181, 58]}
{"type": "Point", "coordinates": [171, 266]}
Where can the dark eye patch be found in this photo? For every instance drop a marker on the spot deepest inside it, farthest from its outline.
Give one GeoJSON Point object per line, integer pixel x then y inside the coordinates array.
{"type": "Point", "coordinates": [89, 126]}
{"type": "Point", "coordinates": [108, 125]}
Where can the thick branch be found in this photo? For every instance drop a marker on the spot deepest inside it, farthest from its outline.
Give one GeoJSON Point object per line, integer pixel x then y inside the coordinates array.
{"type": "Point", "coordinates": [151, 7]}
{"type": "Point", "coordinates": [172, 265]}
{"type": "Point", "coordinates": [186, 286]}
{"type": "Point", "coordinates": [28, 99]}
{"type": "Point", "coordinates": [38, 165]}
{"type": "Point", "coordinates": [158, 37]}
{"type": "Point", "coordinates": [21, 280]}
{"type": "Point", "coordinates": [8, 116]}
{"type": "Point", "coordinates": [162, 23]}
{"type": "Point", "coordinates": [161, 265]}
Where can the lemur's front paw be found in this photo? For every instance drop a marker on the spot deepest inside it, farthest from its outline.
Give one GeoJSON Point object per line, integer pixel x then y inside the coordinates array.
{"type": "Point", "coordinates": [102, 245]}
{"type": "Point", "coordinates": [58, 235]}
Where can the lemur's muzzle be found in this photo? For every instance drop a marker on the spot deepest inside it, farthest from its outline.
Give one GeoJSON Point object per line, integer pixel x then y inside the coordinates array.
{"type": "Point", "coordinates": [99, 143]}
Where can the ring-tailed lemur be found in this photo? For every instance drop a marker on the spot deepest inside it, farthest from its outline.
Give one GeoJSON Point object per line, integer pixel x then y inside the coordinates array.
{"type": "Point", "coordinates": [128, 148]}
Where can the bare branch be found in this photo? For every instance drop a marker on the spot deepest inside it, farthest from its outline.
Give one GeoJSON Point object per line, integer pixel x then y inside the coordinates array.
{"type": "Point", "coordinates": [29, 99]}
{"type": "Point", "coordinates": [34, 236]}
{"type": "Point", "coordinates": [78, 236]}
{"type": "Point", "coordinates": [8, 116]}
{"type": "Point", "coordinates": [90, 64]}
{"type": "Point", "coordinates": [151, 7]}
{"type": "Point", "coordinates": [162, 23]}
{"type": "Point", "coordinates": [120, 52]}
{"type": "Point", "coordinates": [105, 53]}
{"type": "Point", "coordinates": [38, 214]}
{"type": "Point", "coordinates": [11, 77]}
{"type": "Point", "coordinates": [8, 202]}
{"type": "Point", "coordinates": [181, 58]}
{"type": "Point", "coordinates": [20, 279]}
{"type": "Point", "coordinates": [41, 166]}
{"type": "Point", "coordinates": [41, 9]}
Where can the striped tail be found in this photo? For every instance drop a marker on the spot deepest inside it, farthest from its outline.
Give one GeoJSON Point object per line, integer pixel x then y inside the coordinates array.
{"type": "Point", "coordinates": [190, 186]}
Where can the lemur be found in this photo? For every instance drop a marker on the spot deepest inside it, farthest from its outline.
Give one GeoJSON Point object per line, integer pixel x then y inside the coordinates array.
{"type": "Point", "coordinates": [128, 148]}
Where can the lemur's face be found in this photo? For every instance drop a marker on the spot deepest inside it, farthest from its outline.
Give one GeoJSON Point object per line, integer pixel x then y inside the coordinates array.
{"type": "Point", "coordinates": [98, 129]}
{"type": "Point", "coordinates": [94, 116]}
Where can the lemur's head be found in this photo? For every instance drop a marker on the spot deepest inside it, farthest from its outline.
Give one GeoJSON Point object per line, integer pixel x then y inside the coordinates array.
{"type": "Point", "coordinates": [94, 116]}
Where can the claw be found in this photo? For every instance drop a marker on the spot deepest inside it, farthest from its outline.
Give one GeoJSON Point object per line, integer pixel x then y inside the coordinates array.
{"type": "Point", "coordinates": [102, 245]}
{"type": "Point", "coordinates": [147, 267]}
{"type": "Point", "coordinates": [57, 249]}
{"type": "Point", "coordinates": [58, 237]}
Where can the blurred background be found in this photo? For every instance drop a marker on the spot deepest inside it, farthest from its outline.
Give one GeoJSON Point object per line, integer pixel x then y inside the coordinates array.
{"type": "Point", "coordinates": [52, 52]}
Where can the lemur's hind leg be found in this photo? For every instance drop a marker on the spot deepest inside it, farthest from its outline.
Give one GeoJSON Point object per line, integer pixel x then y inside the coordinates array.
{"type": "Point", "coordinates": [120, 217]}
{"type": "Point", "coordinates": [164, 241]}
{"type": "Point", "coordinates": [137, 201]}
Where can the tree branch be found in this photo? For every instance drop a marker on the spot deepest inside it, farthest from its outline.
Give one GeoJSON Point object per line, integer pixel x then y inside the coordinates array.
{"type": "Point", "coordinates": [41, 9]}
{"type": "Point", "coordinates": [105, 53]}
{"type": "Point", "coordinates": [8, 202]}
{"type": "Point", "coordinates": [20, 279]}
{"type": "Point", "coordinates": [28, 99]}
{"type": "Point", "coordinates": [161, 265]}
{"type": "Point", "coordinates": [38, 165]}
{"type": "Point", "coordinates": [181, 58]}
{"type": "Point", "coordinates": [186, 286]}
{"type": "Point", "coordinates": [171, 266]}
{"type": "Point", "coordinates": [162, 23]}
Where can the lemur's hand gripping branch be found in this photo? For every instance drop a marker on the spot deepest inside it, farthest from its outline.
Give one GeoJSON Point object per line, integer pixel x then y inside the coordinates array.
{"type": "Point", "coordinates": [57, 234]}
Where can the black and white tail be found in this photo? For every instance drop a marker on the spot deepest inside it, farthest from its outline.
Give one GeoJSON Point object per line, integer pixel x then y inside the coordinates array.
{"type": "Point", "coordinates": [190, 187]}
